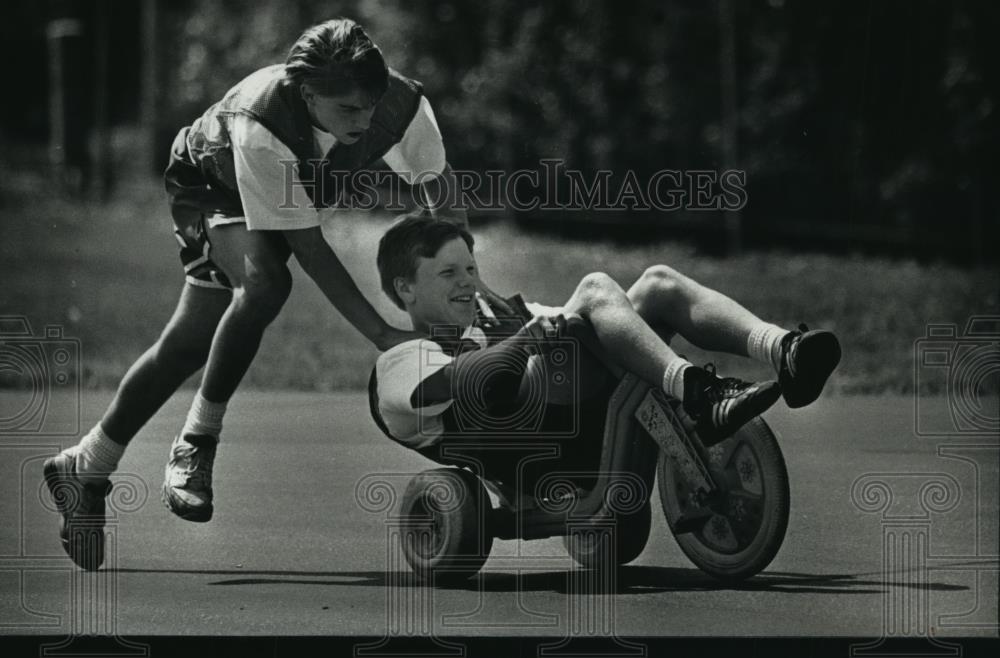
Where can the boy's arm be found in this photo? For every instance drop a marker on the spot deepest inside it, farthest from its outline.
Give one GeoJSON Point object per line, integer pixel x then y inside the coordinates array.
{"type": "Point", "coordinates": [441, 196]}
{"type": "Point", "coordinates": [493, 373]}
{"type": "Point", "coordinates": [324, 267]}
{"type": "Point", "coordinates": [273, 200]}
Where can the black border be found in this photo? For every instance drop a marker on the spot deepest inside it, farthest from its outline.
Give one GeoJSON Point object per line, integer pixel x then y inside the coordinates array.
{"type": "Point", "coordinates": [744, 647]}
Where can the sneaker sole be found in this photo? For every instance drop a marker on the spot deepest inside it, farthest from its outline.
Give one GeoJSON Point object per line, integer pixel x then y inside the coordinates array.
{"type": "Point", "coordinates": [184, 511]}
{"type": "Point", "coordinates": [819, 355]}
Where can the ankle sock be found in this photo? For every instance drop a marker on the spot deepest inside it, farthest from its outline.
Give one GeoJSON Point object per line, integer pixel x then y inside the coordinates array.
{"type": "Point", "coordinates": [205, 417]}
{"type": "Point", "coordinates": [673, 377]}
{"type": "Point", "coordinates": [97, 456]}
{"type": "Point", "coordinates": [764, 344]}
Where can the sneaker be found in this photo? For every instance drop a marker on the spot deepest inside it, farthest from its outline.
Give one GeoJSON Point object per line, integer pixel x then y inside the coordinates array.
{"type": "Point", "coordinates": [81, 504]}
{"type": "Point", "coordinates": [187, 483]}
{"type": "Point", "coordinates": [807, 359]}
{"type": "Point", "coordinates": [720, 406]}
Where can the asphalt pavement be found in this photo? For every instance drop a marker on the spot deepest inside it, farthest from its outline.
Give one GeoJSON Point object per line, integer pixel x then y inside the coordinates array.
{"type": "Point", "coordinates": [891, 533]}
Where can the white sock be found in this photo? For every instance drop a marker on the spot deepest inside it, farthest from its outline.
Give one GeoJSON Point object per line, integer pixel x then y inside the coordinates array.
{"type": "Point", "coordinates": [97, 455]}
{"type": "Point", "coordinates": [673, 377]}
{"type": "Point", "coordinates": [204, 417]}
{"type": "Point", "coordinates": [764, 344]}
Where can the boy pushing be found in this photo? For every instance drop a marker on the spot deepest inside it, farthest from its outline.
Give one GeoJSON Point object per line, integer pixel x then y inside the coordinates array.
{"type": "Point", "coordinates": [332, 107]}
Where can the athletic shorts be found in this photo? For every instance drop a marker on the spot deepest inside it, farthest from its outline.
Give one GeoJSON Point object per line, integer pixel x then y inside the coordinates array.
{"type": "Point", "coordinates": [194, 205]}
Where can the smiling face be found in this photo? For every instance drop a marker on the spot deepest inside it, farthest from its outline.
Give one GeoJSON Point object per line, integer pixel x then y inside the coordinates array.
{"type": "Point", "coordinates": [345, 116]}
{"type": "Point", "coordinates": [443, 290]}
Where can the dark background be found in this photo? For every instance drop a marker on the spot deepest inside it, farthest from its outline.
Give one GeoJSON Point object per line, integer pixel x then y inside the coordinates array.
{"type": "Point", "coordinates": [861, 125]}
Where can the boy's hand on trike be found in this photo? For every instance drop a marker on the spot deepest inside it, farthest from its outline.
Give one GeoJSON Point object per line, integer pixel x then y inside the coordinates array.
{"type": "Point", "coordinates": [496, 302]}
{"type": "Point", "coordinates": [541, 329]}
{"type": "Point", "coordinates": [543, 326]}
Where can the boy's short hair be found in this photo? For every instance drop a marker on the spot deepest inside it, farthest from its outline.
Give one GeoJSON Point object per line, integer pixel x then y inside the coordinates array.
{"type": "Point", "coordinates": [412, 236]}
{"type": "Point", "coordinates": [335, 57]}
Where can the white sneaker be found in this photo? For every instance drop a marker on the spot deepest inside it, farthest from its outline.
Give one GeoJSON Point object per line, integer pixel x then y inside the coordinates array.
{"type": "Point", "coordinates": [187, 483]}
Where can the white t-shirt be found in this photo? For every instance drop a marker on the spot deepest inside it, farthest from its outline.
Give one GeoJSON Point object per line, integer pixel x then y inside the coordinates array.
{"type": "Point", "coordinates": [258, 157]}
{"type": "Point", "coordinates": [399, 371]}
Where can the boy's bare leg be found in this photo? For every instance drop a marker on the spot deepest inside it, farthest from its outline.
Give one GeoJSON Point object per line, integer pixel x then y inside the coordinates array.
{"type": "Point", "coordinates": [719, 407]}
{"type": "Point", "coordinates": [78, 476]}
{"type": "Point", "coordinates": [620, 329]}
{"type": "Point", "coordinates": [254, 263]}
{"type": "Point", "coordinates": [212, 327]}
{"type": "Point", "coordinates": [180, 351]}
{"type": "Point", "coordinates": [673, 303]}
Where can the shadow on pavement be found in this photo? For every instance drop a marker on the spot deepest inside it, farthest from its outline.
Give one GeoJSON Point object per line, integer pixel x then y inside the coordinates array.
{"type": "Point", "coordinates": [629, 580]}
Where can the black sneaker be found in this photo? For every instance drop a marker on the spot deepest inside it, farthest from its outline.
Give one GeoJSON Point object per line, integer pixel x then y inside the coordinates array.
{"type": "Point", "coordinates": [722, 405]}
{"type": "Point", "coordinates": [807, 359]}
{"type": "Point", "coordinates": [81, 528]}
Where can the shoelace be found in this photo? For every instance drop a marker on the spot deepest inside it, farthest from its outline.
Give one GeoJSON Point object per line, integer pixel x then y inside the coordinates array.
{"type": "Point", "coordinates": [721, 388]}
{"type": "Point", "coordinates": [200, 478]}
{"type": "Point", "coordinates": [197, 471]}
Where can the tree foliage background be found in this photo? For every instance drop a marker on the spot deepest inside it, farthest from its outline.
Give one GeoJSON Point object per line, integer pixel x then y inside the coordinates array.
{"type": "Point", "coordinates": [858, 122]}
